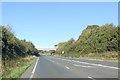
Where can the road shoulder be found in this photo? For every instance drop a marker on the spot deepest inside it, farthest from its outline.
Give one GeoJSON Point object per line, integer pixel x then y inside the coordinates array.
{"type": "Point", "coordinates": [28, 72]}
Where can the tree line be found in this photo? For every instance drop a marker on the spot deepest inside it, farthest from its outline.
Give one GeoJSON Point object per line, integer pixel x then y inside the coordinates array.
{"type": "Point", "coordinates": [14, 48]}
{"type": "Point", "coordinates": [94, 39]}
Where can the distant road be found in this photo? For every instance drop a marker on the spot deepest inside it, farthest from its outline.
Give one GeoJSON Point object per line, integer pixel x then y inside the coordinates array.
{"type": "Point", "coordinates": [57, 67]}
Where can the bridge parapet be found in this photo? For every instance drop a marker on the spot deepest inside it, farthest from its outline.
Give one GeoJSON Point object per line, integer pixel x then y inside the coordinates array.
{"type": "Point", "coordinates": [46, 49]}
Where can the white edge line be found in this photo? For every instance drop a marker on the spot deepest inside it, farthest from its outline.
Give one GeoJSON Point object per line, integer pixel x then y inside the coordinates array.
{"type": "Point", "coordinates": [35, 66]}
{"type": "Point", "coordinates": [109, 66]}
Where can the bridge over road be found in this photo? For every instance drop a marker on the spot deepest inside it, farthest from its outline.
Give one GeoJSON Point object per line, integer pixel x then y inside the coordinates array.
{"type": "Point", "coordinates": [46, 49]}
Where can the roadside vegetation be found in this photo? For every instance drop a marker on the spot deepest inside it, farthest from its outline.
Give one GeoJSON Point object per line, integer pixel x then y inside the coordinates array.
{"type": "Point", "coordinates": [98, 42]}
{"type": "Point", "coordinates": [17, 55]}
{"type": "Point", "coordinates": [15, 68]}
{"type": "Point", "coordinates": [0, 70]}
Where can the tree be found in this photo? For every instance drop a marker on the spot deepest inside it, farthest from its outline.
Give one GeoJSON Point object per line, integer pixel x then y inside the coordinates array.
{"type": "Point", "coordinates": [12, 47]}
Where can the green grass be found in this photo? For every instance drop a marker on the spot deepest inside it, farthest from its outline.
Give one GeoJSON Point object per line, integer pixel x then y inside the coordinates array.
{"type": "Point", "coordinates": [15, 68]}
{"type": "Point", "coordinates": [0, 69]}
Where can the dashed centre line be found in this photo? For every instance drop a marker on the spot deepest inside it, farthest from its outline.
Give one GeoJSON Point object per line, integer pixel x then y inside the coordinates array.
{"type": "Point", "coordinates": [67, 67]}
{"type": "Point", "coordinates": [82, 66]}
{"type": "Point", "coordinates": [57, 63]}
{"type": "Point", "coordinates": [91, 78]}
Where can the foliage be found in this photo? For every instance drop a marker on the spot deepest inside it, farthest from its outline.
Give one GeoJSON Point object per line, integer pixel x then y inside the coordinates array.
{"type": "Point", "coordinates": [52, 52]}
{"type": "Point", "coordinates": [65, 46]}
{"type": "Point", "coordinates": [94, 39]}
{"type": "Point", "coordinates": [12, 47]}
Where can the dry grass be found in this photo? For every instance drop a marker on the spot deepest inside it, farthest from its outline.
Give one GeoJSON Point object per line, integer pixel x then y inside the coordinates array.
{"type": "Point", "coordinates": [14, 68]}
{"type": "Point", "coordinates": [28, 58]}
{"type": "Point", "coordinates": [0, 69]}
{"type": "Point", "coordinates": [102, 56]}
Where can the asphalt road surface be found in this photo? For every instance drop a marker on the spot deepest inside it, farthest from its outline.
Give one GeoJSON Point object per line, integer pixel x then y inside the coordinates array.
{"type": "Point", "coordinates": [58, 67]}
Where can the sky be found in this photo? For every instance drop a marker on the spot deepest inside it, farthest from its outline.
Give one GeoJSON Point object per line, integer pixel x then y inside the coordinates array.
{"type": "Point", "coordinates": [49, 23]}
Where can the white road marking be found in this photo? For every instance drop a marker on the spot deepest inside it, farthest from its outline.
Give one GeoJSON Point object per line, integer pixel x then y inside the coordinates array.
{"type": "Point", "coordinates": [34, 69]}
{"type": "Point", "coordinates": [82, 66]}
{"type": "Point", "coordinates": [93, 64]}
{"type": "Point", "coordinates": [108, 66]}
{"type": "Point", "coordinates": [100, 65]}
{"type": "Point", "coordinates": [67, 67]}
{"type": "Point", "coordinates": [98, 60]}
{"type": "Point", "coordinates": [57, 63]}
{"type": "Point", "coordinates": [66, 59]}
{"type": "Point", "coordinates": [31, 77]}
{"type": "Point", "coordinates": [91, 78]}
{"type": "Point", "coordinates": [89, 59]}
{"type": "Point", "coordinates": [35, 66]}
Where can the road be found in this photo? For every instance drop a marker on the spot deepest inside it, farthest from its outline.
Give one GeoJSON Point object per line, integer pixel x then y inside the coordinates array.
{"type": "Point", "coordinates": [58, 67]}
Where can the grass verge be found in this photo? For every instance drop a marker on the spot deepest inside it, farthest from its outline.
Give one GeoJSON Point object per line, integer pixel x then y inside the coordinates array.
{"type": "Point", "coordinates": [99, 56]}
{"type": "Point", "coordinates": [15, 68]}
{"type": "Point", "coordinates": [102, 56]}
{"type": "Point", "coordinates": [0, 69]}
